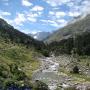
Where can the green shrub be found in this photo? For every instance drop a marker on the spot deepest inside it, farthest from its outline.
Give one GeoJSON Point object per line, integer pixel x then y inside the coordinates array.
{"type": "Point", "coordinates": [38, 85]}
{"type": "Point", "coordinates": [76, 69]}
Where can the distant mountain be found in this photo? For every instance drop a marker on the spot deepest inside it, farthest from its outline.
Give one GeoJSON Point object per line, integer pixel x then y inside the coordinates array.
{"type": "Point", "coordinates": [76, 26]}
{"type": "Point", "coordinates": [40, 35]}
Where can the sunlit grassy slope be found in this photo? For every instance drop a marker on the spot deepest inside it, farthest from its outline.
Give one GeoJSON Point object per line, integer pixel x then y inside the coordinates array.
{"type": "Point", "coordinates": [16, 62]}
{"type": "Point", "coordinates": [23, 57]}
{"type": "Point", "coordinates": [18, 57]}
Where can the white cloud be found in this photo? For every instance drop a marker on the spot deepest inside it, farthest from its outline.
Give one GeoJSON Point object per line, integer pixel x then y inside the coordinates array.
{"type": "Point", "coordinates": [74, 14]}
{"type": "Point", "coordinates": [44, 21]}
{"type": "Point", "coordinates": [3, 13]}
{"type": "Point", "coordinates": [51, 12]}
{"type": "Point", "coordinates": [56, 19]}
{"type": "Point", "coordinates": [1, 16]}
{"type": "Point", "coordinates": [56, 15]}
{"type": "Point", "coordinates": [86, 7]}
{"type": "Point", "coordinates": [39, 13]}
{"type": "Point", "coordinates": [32, 16]}
{"type": "Point", "coordinates": [20, 18]}
{"type": "Point", "coordinates": [37, 8]}
{"type": "Point", "coordinates": [6, 13]}
{"type": "Point", "coordinates": [55, 23]}
{"type": "Point", "coordinates": [26, 3]}
{"type": "Point", "coordinates": [79, 7]}
{"type": "Point", "coordinates": [76, 7]}
{"type": "Point", "coordinates": [50, 22]}
{"type": "Point", "coordinates": [55, 3]}
{"type": "Point", "coordinates": [61, 21]}
{"type": "Point", "coordinates": [47, 21]}
{"type": "Point", "coordinates": [26, 16]}
{"type": "Point", "coordinates": [32, 19]}
{"type": "Point", "coordinates": [60, 14]}
{"type": "Point", "coordinates": [70, 4]}
{"type": "Point", "coordinates": [34, 13]}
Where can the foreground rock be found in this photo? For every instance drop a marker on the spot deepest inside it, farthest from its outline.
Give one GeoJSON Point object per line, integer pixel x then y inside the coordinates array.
{"type": "Point", "coordinates": [83, 86]}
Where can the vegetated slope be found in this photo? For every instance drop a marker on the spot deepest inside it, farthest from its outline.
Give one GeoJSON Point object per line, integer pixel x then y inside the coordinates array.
{"type": "Point", "coordinates": [81, 45]}
{"type": "Point", "coordinates": [78, 27]}
{"type": "Point", "coordinates": [18, 60]}
{"type": "Point", "coordinates": [9, 33]}
{"type": "Point", "coordinates": [73, 36]}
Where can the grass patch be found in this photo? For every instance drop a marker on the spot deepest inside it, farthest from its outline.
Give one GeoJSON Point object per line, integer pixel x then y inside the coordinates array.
{"type": "Point", "coordinates": [24, 59]}
{"type": "Point", "coordinates": [76, 77]}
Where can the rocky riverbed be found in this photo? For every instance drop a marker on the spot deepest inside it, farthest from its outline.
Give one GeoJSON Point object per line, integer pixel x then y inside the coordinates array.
{"type": "Point", "coordinates": [50, 74]}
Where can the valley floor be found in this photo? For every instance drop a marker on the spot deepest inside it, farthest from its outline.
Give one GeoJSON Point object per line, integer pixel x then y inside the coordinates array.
{"type": "Point", "coordinates": [54, 72]}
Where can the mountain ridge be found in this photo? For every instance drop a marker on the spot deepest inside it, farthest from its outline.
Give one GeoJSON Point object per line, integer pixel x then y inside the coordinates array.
{"type": "Point", "coordinates": [71, 29]}
{"type": "Point", "coordinates": [8, 32]}
{"type": "Point", "coordinates": [73, 37]}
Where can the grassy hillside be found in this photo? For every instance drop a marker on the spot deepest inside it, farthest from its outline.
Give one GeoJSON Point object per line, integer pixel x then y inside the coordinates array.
{"type": "Point", "coordinates": [16, 63]}
{"type": "Point", "coordinates": [18, 57]}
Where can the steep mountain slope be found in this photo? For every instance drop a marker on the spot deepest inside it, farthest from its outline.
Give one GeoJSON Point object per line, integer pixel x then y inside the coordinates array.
{"type": "Point", "coordinates": [9, 33]}
{"type": "Point", "coordinates": [75, 36]}
{"type": "Point", "coordinates": [40, 35]}
{"type": "Point", "coordinates": [18, 58]}
{"type": "Point", "coordinates": [75, 27]}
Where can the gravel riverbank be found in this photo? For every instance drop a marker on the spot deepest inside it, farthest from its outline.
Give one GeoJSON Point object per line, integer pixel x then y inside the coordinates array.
{"type": "Point", "coordinates": [48, 73]}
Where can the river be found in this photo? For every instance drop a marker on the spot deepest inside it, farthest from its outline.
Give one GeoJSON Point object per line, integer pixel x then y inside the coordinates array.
{"type": "Point", "coordinates": [48, 72]}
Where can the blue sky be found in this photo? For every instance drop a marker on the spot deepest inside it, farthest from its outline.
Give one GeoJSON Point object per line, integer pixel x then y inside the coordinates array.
{"type": "Point", "coordinates": [30, 16]}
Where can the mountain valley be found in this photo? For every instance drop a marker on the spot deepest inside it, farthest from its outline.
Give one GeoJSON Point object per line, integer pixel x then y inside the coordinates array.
{"type": "Point", "coordinates": [58, 61]}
